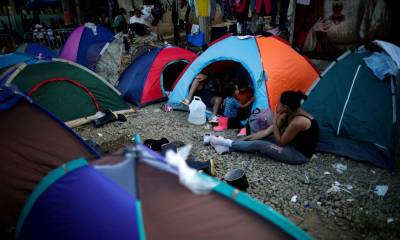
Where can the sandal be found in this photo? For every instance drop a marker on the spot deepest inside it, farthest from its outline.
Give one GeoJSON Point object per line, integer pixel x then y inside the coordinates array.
{"type": "Point", "coordinates": [185, 102]}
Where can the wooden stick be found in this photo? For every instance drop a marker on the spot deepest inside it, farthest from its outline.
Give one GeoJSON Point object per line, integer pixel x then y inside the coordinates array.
{"type": "Point", "coordinates": [81, 121]}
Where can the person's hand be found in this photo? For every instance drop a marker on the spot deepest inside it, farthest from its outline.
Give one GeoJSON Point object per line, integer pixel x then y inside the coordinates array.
{"type": "Point", "coordinates": [322, 25]}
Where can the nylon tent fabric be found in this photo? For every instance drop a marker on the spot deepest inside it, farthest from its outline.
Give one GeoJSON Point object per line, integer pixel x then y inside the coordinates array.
{"type": "Point", "coordinates": [81, 39]}
{"type": "Point", "coordinates": [165, 209]}
{"type": "Point", "coordinates": [286, 69]}
{"type": "Point", "coordinates": [90, 38]}
{"type": "Point", "coordinates": [32, 143]}
{"type": "Point", "coordinates": [8, 60]}
{"type": "Point", "coordinates": [67, 90]}
{"type": "Point", "coordinates": [356, 112]}
{"type": "Point", "coordinates": [272, 71]}
{"type": "Point", "coordinates": [114, 60]}
{"type": "Point", "coordinates": [71, 46]}
{"type": "Point", "coordinates": [36, 50]}
{"type": "Point", "coordinates": [144, 81]}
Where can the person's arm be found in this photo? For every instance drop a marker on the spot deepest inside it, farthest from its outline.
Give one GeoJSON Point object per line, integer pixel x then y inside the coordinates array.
{"type": "Point", "coordinates": [247, 103]}
{"type": "Point", "coordinates": [295, 126]}
{"type": "Point", "coordinates": [259, 135]}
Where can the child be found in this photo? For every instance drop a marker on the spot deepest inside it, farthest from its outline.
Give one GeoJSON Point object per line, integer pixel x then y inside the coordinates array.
{"type": "Point", "coordinates": [232, 106]}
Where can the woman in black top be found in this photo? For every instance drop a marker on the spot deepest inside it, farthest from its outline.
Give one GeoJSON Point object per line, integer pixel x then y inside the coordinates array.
{"type": "Point", "coordinates": [295, 134]}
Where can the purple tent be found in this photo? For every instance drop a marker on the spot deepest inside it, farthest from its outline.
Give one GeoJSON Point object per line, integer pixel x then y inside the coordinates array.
{"type": "Point", "coordinates": [83, 41]}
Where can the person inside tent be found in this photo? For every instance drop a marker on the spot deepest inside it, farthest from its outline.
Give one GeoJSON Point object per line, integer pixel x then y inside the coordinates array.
{"type": "Point", "coordinates": [232, 108]}
{"type": "Point", "coordinates": [294, 130]}
{"type": "Point", "coordinates": [208, 89]}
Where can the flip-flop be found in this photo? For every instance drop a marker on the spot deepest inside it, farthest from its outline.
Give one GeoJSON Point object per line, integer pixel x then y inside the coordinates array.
{"type": "Point", "coordinates": [185, 102]}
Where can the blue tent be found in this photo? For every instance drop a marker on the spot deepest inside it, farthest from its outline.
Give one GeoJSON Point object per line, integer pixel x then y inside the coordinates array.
{"type": "Point", "coordinates": [357, 113]}
{"type": "Point", "coordinates": [84, 45]}
{"type": "Point", "coordinates": [85, 202]}
{"type": "Point", "coordinates": [151, 74]}
{"type": "Point", "coordinates": [8, 60]}
{"type": "Point", "coordinates": [271, 65]}
{"type": "Point", "coordinates": [36, 50]}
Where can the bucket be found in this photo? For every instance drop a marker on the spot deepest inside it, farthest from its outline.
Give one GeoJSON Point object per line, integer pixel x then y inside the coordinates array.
{"type": "Point", "coordinates": [197, 114]}
{"type": "Point", "coordinates": [237, 178]}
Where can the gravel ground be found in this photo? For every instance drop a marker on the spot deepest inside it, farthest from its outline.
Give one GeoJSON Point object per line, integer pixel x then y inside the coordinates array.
{"type": "Point", "coordinates": [356, 213]}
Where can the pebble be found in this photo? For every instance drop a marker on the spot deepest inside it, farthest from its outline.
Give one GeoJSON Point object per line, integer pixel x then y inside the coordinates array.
{"type": "Point", "coordinates": [279, 182]}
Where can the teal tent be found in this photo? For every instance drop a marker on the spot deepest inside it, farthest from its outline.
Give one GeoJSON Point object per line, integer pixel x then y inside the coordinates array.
{"type": "Point", "coordinates": [356, 111]}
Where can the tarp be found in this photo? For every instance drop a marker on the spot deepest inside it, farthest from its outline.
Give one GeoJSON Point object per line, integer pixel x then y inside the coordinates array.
{"type": "Point", "coordinates": [66, 89]}
{"type": "Point", "coordinates": [113, 60]}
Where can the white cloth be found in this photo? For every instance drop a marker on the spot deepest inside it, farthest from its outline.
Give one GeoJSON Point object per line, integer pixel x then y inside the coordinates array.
{"type": "Point", "coordinates": [135, 19]}
{"type": "Point", "coordinates": [195, 29]}
{"type": "Point", "coordinates": [92, 26]}
{"type": "Point", "coordinates": [392, 50]}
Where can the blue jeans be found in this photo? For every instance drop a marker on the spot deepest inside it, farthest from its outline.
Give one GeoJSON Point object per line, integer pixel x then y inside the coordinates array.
{"type": "Point", "coordinates": [286, 154]}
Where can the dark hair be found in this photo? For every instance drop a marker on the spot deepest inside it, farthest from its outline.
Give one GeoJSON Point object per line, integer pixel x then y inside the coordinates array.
{"type": "Point", "coordinates": [292, 99]}
{"type": "Point", "coordinates": [229, 90]}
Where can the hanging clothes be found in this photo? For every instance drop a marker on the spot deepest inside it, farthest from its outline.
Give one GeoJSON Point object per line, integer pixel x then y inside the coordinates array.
{"type": "Point", "coordinates": [203, 8]}
{"type": "Point", "coordinates": [263, 7]}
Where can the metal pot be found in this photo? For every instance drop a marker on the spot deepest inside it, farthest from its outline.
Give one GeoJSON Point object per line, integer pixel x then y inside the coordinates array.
{"type": "Point", "coordinates": [237, 178]}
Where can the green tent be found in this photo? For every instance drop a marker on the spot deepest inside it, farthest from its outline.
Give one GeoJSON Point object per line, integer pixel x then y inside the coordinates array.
{"type": "Point", "coordinates": [357, 113]}
{"type": "Point", "coordinates": [67, 89]}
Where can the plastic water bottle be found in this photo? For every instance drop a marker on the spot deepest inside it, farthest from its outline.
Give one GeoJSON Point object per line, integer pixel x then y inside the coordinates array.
{"type": "Point", "coordinates": [197, 114]}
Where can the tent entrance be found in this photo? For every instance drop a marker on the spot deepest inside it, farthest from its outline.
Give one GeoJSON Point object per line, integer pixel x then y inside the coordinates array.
{"type": "Point", "coordinates": [170, 74]}
{"type": "Point", "coordinates": [228, 71]}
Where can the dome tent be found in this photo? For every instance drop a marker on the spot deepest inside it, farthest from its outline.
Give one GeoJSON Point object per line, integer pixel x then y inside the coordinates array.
{"type": "Point", "coordinates": [37, 50]}
{"type": "Point", "coordinates": [159, 207]}
{"type": "Point", "coordinates": [152, 73]}
{"type": "Point", "coordinates": [32, 143]}
{"type": "Point", "coordinates": [273, 67]}
{"type": "Point", "coordinates": [67, 89]}
{"type": "Point", "coordinates": [85, 43]}
{"type": "Point", "coordinates": [357, 113]}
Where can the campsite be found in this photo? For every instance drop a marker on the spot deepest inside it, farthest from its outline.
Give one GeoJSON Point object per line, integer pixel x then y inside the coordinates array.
{"type": "Point", "coordinates": [202, 119]}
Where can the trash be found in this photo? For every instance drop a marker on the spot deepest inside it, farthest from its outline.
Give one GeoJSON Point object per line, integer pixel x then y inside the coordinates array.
{"type": "Point", "coordinates": [319, 203]}
{"type": "Point", "coordinates": [340, 168]}
{"type": "Point", "coordinates": [156, 110]}
{"type": "Point", "coordinates": [337, 187]}
{"type": "Point", "coordinates": [100, 135]}
{"type": "Point", "coordinates": [381, 190]}
{"type": "Point", "coordinates": [390, 220]}
{"type": "Point", "coordinates": [307, 179]}
{"type": "Point", "coordinates": [327, 173]}
{"type": "Point", "coordinates": [294, 198]}
{"type": "Point", "coordinates": [372, 171]}
{"type": "Point", "coordinates": [350, 200]}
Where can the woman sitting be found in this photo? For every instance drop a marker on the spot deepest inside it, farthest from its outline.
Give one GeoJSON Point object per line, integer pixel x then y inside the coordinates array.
{"type": "Point", "coordinates": [295, 134]}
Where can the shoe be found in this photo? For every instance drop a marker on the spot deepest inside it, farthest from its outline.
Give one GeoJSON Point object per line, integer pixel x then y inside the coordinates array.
{"type": "Point", "coordinates": [206, 139]}
{"type": "Point", "coordinates": [222, 124]}
{"type": "Point", "coordinates": [242, 132]}
{"type": "Point", "coordinates": [185, 102]}
{"type": "Point", "coordinates": [213, 168]}
{"type": "Point", "coordinates": [221, 141]}
{"type": "Point", "coordinates": [213, 119]}
{"type": "Point", "coordinates": [220, 149]}
{"type": "Point", "coordinates": [174, 146]}
{"type": "Point", "coordinates": [155, 145]}
{"type": "Point", "coordinates": [108, 117]}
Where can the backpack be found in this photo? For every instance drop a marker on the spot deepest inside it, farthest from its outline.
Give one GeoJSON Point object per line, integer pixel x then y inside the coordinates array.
{"type": "Point", "coordinates": [259, 120]}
